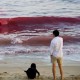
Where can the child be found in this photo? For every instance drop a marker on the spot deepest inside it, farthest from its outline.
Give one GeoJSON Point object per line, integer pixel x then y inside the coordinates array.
{"type": "Point", "coordinates": [31, 72]}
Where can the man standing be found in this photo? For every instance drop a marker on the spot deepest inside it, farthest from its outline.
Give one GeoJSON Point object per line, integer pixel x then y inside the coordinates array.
{"type": "Point", "coordinates": [56, 53]}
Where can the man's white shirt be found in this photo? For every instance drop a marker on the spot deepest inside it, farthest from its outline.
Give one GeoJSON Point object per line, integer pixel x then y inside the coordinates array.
{"type": "Point", "coordinates": [56, 47]}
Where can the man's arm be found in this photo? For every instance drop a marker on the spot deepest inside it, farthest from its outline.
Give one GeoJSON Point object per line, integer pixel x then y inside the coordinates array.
{"type": "Point", "coordinates": [51, 50]}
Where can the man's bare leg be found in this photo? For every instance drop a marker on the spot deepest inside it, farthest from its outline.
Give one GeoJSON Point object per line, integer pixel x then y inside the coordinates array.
{"type": "Point", "coordinates": [54, 70]}
{"type": "Point", "coordinates": [61, 69]}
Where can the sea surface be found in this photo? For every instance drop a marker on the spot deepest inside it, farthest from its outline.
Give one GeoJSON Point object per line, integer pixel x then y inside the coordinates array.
{"type": "Point", "coordinates": [17, 8]}
{"type": "Point", "coordinates": [26, 27]}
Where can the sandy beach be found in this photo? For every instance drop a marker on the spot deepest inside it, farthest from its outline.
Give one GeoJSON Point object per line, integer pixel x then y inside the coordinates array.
{"type": "Point", "coordinates": [14, 70]}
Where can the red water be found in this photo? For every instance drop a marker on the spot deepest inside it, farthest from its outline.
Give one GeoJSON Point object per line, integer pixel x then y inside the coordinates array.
{"type": "Point", "coordinates": [18, 24]}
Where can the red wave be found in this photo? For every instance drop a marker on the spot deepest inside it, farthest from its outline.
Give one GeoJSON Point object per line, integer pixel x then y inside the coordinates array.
{"type": "Point", "coordinates": [38, 20]}
{"type": "Point", "coordinates": [19, 23]}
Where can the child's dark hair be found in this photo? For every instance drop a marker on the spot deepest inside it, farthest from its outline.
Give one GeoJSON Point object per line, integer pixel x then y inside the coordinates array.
{"type": "Point", "coordinates": [56, 33]}
{"type": "Point", "coordinates": [33, 65]}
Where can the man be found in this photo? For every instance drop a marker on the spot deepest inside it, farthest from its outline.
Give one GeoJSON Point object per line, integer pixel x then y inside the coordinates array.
{"type": "Point", "coordinates": [56, 53]}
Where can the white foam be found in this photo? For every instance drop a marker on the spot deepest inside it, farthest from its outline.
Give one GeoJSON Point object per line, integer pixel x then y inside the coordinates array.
{"type": "Point", "coordinates": [73, 57]}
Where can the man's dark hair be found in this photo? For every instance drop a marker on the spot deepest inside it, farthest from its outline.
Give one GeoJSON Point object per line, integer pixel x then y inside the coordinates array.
{"type": "Point", "coordinates": [56, 33]}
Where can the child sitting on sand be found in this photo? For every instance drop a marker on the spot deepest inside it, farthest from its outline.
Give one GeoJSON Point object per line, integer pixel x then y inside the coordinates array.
{"type": "Point", "coordinates": [31, 72]}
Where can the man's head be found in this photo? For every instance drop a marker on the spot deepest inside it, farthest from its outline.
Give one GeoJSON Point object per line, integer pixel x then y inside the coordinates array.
{"type": "Point", "coordinates": [55, 33]}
